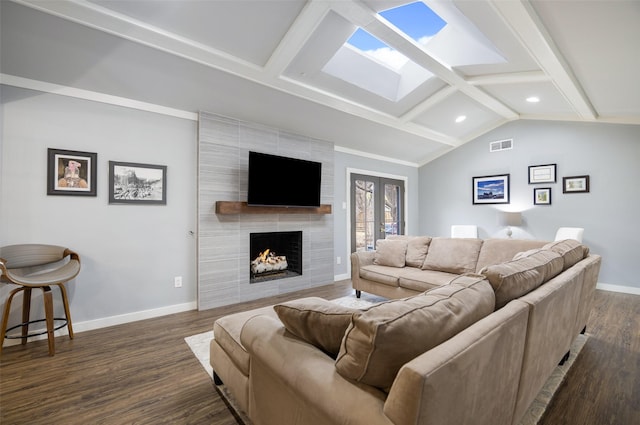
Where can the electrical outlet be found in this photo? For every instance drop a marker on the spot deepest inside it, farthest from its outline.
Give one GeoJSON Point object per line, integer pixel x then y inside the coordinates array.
{"type": "Point", "coordinates": [177, 281]}
{"type": "Point", "coordinates": [338, 260]}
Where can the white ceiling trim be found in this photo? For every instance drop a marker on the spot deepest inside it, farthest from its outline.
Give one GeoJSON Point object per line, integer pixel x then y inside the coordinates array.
{"type": "Point", "coordinates": [26, 83]}
{"type": "Point", "coordinates": [295, 38]}
{"type": "Point", "coordinates": [511, 78]}
{"type": "Point", "coordinates": [525, 24]}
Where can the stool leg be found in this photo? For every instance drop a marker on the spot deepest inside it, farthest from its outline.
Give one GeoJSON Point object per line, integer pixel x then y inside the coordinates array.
{"type": "Point", "coordinates": [5, 316]}
{"type": "Point", "coordinates": [48, 313]}
{"type": "Point", "coordinates": [26, 312]}
{"type": "Point", "coordinates": [67, 313]}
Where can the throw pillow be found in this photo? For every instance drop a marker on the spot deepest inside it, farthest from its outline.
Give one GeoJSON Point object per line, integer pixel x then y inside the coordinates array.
{"type": "Point", "coordinates": [453, 255]}
{"type": "Point", "coordinates": [417, 247]}
{"type": "Point", "coordinates": [317, 321]}
{"type": "Point", "coordinates": [390, 253]}
{"type": "Point", "coordinates": [513, 279]}
{"type": "Point", "coordinates": [571, 251]}
{"type": "Point", "coordinates": [382, 338]}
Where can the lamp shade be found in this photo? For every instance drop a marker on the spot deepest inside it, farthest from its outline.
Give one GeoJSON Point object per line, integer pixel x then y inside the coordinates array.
{"type": "Point", "coordinates": [511, 218]}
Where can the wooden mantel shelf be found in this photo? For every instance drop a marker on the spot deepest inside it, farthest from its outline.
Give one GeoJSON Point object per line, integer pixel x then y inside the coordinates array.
{"type": "Point", "coordinates": [232, 207]}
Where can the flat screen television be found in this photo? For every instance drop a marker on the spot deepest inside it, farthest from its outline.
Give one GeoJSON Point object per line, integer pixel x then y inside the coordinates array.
{"type": "Point", "coordinates": [282, 181]}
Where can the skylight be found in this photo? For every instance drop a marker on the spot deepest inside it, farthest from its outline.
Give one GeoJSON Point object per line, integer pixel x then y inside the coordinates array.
{"type": "Point", "coordinates": [416, 20]}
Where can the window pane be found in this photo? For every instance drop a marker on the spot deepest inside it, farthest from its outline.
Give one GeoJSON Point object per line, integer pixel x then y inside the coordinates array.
{"type": "Point", "coordinates": [391, 209]}
{"type": "Point", "coordinates": [365, 225]}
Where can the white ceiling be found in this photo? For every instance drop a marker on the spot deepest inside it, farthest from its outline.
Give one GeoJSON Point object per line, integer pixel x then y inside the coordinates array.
{"type": "Point", "coordinates": [262, 61]}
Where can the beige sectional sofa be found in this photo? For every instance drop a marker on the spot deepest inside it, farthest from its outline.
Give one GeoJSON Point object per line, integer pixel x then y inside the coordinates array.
{"type": "Point", "coordinates": [475, 346]}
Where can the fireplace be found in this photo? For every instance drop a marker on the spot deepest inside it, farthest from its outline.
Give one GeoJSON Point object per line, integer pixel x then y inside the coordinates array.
{"type": "Point", "coordinates": [275, 255]}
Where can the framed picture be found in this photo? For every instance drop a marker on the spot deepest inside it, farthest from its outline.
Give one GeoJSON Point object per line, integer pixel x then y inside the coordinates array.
{"type": "Point", "coordinates": [542, 173]}
{"type": "Point", "coordinates": [575, 184]}
{"type": "Point", "coordinates": [71, 172]}
{"type": "Point", "coordinates": [491, 189]}
{"type": "Point", "coordinates": [542, 196]}
{"type": "Point", "coordinates": [131, 183]}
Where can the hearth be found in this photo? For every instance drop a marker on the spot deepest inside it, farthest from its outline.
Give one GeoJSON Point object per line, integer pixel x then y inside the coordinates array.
{"type": "Point", "coordinates": [275, 255]}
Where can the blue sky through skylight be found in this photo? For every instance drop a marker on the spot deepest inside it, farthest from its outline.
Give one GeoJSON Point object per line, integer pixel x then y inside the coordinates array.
{"type": "Point", "coordinates": [416, 20]}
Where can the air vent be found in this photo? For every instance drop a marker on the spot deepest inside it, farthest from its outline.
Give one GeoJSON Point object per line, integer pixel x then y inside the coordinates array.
{"type": "Point", "coordinates": [501, 145]}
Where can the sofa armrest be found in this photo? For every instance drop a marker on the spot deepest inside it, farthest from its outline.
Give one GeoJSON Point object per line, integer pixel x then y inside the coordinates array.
{"type": "Point", "coordinates": [470, 378]}
{"type": "Point", "coordinates": [361, 259]}
{"type": "Point", "coordinates": [293, 382]}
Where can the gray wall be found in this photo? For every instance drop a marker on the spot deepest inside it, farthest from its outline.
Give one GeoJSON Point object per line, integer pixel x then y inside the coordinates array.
{"type": "Point", "coordinates": [348, 161]}
{"type": "Point", "coordinates": [608, 153]}
{"type": "Point", "coordinates": [130, 253]}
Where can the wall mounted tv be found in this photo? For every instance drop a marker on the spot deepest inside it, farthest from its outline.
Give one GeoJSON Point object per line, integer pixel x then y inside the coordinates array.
{"type": "Point", "coordinates": [282, 181]}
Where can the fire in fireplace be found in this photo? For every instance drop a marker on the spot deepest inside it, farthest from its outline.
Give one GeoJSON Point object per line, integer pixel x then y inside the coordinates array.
{"type": "Point", "coordinates": [275, 255]}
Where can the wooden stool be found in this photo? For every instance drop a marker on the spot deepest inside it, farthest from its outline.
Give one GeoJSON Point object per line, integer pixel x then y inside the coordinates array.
{"type": "Point", "coordinates": [37, 266]}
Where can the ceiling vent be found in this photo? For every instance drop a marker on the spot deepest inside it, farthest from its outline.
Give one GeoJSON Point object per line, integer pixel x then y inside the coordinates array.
{"type": "Point", "coordinates": [501, 145]}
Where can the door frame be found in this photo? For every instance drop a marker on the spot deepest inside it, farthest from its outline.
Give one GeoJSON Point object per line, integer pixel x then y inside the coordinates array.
{"type": "Point", "coordinates": [405, 202]}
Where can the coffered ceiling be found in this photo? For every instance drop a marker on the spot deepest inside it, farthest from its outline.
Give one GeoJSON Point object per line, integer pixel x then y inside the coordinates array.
{"type": "Point", "coordinates": [285, 63]}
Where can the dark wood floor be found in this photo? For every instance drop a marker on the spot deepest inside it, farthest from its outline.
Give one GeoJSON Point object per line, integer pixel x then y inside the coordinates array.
{"type": "Point", "coordinates": [144, 372]}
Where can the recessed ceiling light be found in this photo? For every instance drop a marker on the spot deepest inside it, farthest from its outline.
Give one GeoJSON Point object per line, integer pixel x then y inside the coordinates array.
{"type": "Point", "coordinates": [461, 118]}
{"type": "Point", "coordinates": [533, 99]}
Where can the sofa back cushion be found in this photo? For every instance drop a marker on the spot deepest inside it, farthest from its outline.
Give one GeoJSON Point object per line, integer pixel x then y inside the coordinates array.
{"type": "Point", "coordinates": [390, 253]}
{"type": "Point", "coordinates": [571, 251]}
{"type": "Point", "coordinates": [499, 250]}
{"type": "Point", "coordinates": [453, 255]}
{"type": "Point", "coordinates": [382, 338]}
{"type": "Point", "coordinates": [319, 322]}
{"type": "Point", "coordinates": [417, 247]}
{"type": "Point", "coordinates": [524, 273]}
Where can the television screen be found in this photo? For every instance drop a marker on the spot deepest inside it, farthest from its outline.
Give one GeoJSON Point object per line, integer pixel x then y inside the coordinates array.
{"type": "Point", "coordinates": [281, 181]}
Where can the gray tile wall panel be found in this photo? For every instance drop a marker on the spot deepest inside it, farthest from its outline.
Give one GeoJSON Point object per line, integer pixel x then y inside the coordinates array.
{"type": "Point", "coordinates": [223, 241]}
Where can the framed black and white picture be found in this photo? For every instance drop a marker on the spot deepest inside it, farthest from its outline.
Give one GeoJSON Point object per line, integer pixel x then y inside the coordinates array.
{"type": "Point", "coordinates": [71, 173]}
{"type": "Point", "coordinates": [575, 184]}
{"type": "Point", "coordinates": [542, 196]}
{"type": "Point", "coordinates": [542, 173]}
{"type": "Point", "coordinates": [133, 183]}
{"type": "Point", "coordinates": [491, 189]}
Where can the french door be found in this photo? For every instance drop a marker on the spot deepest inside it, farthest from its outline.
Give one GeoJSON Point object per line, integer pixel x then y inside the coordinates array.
{"type": "Point", "coordinates": [377, 210]}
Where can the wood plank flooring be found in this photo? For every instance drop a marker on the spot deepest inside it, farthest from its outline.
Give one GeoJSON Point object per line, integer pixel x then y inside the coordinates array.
{"type": "Point", "coordinates": [144, 372]}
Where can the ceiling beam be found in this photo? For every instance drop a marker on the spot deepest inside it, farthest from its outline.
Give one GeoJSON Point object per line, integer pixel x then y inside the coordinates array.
{"type": "Point", "coordinates": [525, 24]}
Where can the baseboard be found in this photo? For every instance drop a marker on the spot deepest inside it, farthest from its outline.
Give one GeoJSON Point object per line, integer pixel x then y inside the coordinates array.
{"type": "Point", "coordinates": [114, 320]}
{"type": "Point", "coordinates": [618, 288]}
{"type": "Point", "coordinates": [339, 277]}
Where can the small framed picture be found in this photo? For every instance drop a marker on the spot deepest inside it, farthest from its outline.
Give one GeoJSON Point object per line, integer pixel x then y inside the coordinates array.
{"type": "Point", "coordinates": [491, 189]}
{"type": "Point", "coordinates": [542, 196]}
{"type": "Point", "coordinates": [542, 173]}
{"type": "Point", "coordinates": [132, 183]}
{"type": "Point", "coordinates": [575, 184]}
{"type": "Point", "coordinates": [71, 173]}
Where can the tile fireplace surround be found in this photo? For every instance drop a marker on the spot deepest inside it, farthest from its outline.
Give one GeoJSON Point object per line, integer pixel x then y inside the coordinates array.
{"type": "Point", "coordinates": [223, 240]}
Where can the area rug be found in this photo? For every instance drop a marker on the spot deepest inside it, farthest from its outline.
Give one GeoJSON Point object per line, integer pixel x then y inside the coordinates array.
{"type": "Point", "coordinates": [199, 345]}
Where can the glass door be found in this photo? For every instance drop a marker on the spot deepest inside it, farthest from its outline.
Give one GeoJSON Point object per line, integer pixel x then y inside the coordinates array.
{"type": "Point", "coordinates": [376, 210]}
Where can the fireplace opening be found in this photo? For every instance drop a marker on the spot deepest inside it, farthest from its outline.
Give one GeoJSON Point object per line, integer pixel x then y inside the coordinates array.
{"type": "Point", "coordinates": [275, 255]}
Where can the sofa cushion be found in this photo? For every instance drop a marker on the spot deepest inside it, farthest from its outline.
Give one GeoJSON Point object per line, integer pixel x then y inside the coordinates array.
{"type": "Point", "coordinates": [417, 247]}
{"type": "Point", "coordinates": [384, 337]}
{"type": "Point", "coordinates": [512, 279]}
{"type": "Point", "coordinates": [226, 331]}
{"type": "Point", "coordinates": [453, 255]}
{"type": "Point", "coordinates": [499, 250]}
{"type": "Point", "coordinates": [390, 253]}
{"type": "Point", "coordinates": [423, 280]}
{"type": "Point", "coordinates": [381, 274]}
{"type": "Point", "coordinates": [319, 322]}
{"type": "Point", "coordinates": [571, 251]}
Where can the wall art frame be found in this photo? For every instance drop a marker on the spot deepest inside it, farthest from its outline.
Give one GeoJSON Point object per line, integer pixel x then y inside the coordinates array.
{"type": "Point", "coordinates": [135, 183]}
{"type": "Point", "coordinates": [71, 173]}
{"type": "Point", "coordinates": [542, 196]}
{"type": "Point", "coordinates": [542, 173]}
{"type": "Point", "coordinates": [575, 184]}
{"type": "Point", "coordinates": [491, 189]}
